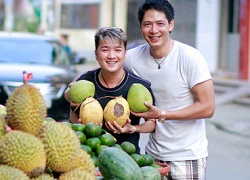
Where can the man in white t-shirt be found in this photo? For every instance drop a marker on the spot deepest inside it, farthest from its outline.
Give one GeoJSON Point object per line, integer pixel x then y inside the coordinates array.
{"type": "Point", "coordinates": [183, 88]}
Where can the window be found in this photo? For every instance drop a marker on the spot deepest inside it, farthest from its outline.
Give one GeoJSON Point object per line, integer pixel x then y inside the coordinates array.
{"type": "Point", "coordinates": [76, 15]}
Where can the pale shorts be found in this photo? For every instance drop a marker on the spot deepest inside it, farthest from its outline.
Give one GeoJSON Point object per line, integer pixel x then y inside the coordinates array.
{"type": "Point", "coordinates": [185, 170]}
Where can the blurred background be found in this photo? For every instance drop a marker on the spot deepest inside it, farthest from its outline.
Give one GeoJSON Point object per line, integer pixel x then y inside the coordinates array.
{"type": "Point", "coordinates": [219, 29]}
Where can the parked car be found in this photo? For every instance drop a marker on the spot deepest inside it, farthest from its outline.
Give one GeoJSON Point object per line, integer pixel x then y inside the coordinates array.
{"type": "Point", "coordinates": [44, 57]}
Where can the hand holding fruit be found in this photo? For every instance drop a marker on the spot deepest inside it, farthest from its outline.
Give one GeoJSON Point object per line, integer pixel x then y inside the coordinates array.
{"type": "Point", "coordinates": [153, 112]}
{"type": "Point", "coordinates": [127, 128]}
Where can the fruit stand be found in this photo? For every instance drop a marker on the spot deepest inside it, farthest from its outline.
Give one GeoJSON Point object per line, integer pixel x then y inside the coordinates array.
{"type": "Point", "coordinates": [35, 146]}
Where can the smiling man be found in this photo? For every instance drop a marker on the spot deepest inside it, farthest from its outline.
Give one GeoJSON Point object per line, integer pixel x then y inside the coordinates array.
{"type": "Point", "coordinates": [112, 80]}
{"type": "Point", "coordinates": [183, 89]}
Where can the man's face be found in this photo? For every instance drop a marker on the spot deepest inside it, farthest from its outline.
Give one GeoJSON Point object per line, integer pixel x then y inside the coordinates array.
{"type": "Point", "coordinates": [110, 55]}
{"type": "Point", "coordinates": [155, 28]}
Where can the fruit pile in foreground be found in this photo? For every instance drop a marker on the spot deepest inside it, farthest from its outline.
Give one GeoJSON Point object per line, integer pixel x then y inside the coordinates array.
{"type": "Point", "coordinates": [115, 161]}
{"type": "Point", "coordinates": [35, 147]}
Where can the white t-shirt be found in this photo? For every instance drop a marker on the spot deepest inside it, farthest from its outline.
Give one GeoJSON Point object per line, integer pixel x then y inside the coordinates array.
{"type": "Point", "coordinates": [184, 67]}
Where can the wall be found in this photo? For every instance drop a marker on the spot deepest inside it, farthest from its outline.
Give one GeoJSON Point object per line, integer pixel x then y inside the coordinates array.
{"type": "Point", "coordinates": [207, 31]}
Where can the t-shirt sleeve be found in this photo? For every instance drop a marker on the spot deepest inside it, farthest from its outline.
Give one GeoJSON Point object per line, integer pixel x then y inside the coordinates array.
{"type": "Point", "coordinates": [196, 68]}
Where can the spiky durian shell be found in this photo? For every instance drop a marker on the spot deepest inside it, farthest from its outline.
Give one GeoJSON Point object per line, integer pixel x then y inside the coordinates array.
{"type": "Point", "coordinates": [2, 126]}
{"type": "Point", "coordinates": [60, 143]}
{"type": "Point", "coordinates": [83, 160]}
{"type": "Point", "coordinates": [76, 174]}
{"type": "Point", "coordinates": [8, 172]}
{"type": "Point", "coordinates": [23, 151]}
{"type": "Point", "coordinates": [44, 177]}
{"type": "Point", "coordinates": [26, 109]}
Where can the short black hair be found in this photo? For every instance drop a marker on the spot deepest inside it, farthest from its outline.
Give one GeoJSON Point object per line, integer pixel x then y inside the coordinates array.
{"type": "Point", "coordinates": [110, 33]}
{"type": "Point", "coordinates": [159, 5]}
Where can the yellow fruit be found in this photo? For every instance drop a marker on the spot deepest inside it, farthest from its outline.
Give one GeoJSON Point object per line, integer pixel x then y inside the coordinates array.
{"type": "Point", "coordinates": [9, 173]}
{"type": "Point", "coordinates": [2, 110]}
{"type": "Point", "coordinates": [82, 160]}
{"type": "Point", "coordinates": [76, 174]}
{"type": "Point", "coordinates": [60, 143]}
{"type": "Point", "coordinates": [23, 151]}
{"type": "Point", "coordinates": [2, 126]}
{"type": "Point", "coordinates": [128, 147]}
{"type": "Point", "coordinates": [44, 177]}
{"type": "Point", "coordinates": [117, 110]}
{"type": "Point", "coordinates": [91, 111]}
{"type": "Point", "coordinates": [80, 90]}
{"type": "Point", "coordinates": [26, 109]}
{"type": "Point", "coordinates": [137, 95]}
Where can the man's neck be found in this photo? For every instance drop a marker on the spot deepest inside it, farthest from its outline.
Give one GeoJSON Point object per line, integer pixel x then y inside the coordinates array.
{"type": "Point", "coordinates": [160, 52]}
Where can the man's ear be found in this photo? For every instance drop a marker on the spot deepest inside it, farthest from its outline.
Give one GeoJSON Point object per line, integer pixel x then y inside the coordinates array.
{"type": "Point", "coordinates": [95, 55]}
{"type": "Point", "coordinates": [171, 25]}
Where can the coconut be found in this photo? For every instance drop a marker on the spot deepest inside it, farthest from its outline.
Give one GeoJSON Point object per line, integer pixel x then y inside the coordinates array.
{"type": "Point", "coordinates": [80, 90]}
{"type": "Point", "coordinates": [91, 112]}
{"type": "Point", "coordinates": [117, 110]}
{"type": "Point", "coordinates": [137, 95]}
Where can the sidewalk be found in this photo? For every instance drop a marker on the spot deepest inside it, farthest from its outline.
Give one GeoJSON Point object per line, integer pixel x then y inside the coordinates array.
{"type": "Point", "coordinates": [233, 118]}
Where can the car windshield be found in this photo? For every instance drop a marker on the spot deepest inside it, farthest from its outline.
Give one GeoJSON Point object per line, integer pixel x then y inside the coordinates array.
{"type": "Point", "coordinates": [33, 52]}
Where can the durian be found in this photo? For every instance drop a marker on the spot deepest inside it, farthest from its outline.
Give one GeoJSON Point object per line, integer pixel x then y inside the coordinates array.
{"type": "Point", "coordinates": [44, 176]}
{"type": "Point", "coordinates": [60, 143]}
{"type": "Point", "coordinates": [11, 173]}
{"type": "Point", "coordinates": [26, 109]}
{"type": "Point", "coordinates": [23, 151]}
{"type": "Point", "coordinates": [76, 174]}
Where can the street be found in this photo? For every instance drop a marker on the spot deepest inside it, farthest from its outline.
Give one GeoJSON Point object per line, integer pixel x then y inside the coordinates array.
{"type": "Point", "coordinates": [229, 154]}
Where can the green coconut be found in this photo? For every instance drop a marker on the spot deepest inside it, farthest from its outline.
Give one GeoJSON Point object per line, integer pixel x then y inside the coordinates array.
{"type": "Point", "coordinates": [80, 90]}
{"type": "Point", "coordinates": [137, 96]}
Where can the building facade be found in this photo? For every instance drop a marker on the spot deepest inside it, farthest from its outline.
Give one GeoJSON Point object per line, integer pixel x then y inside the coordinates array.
{"type": "Point", "coordinates": [219, 29]}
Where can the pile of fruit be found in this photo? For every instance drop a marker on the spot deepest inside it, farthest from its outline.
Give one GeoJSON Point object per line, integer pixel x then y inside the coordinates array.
{"type": "Point", "coordinates": [123, 157]}
{"type": "Point", "coordinates": [33, 146]}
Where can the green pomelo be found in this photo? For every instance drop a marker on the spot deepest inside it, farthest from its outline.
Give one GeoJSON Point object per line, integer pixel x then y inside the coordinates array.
{"type": "Point", "coordinates": [80, 90]}
{"type": "Point", "coordinates": [137, 96]}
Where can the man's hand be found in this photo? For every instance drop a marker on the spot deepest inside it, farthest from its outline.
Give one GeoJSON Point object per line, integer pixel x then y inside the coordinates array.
{"type": "Point", "coordinates": [127, 128]}
{"type": "Point", "coordinates": [152, 113]}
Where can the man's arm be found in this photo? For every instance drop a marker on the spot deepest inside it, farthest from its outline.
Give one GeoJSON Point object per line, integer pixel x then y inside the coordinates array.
{"type": "Point", "coordinates": [203, 107]}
